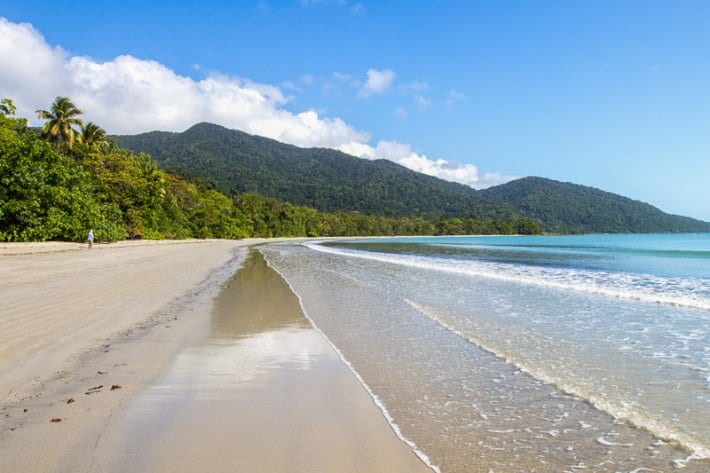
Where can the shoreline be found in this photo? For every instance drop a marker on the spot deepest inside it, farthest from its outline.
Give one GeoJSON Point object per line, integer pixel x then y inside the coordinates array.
{"type": "Point", "coordinates": [375, 399]}
{"type": "Point", "coordinates": [262, 391]}
{"type": "Point", "coordinates": [91, 348]}
{"type": "Point", "coordinates": [408, 331]}
{"type": "Point", "coordinates": [67, 382]}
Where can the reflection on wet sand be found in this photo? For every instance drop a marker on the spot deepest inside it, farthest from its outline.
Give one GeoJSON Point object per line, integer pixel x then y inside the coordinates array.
{"type": "Point", "coordinates": [256, 300]}
{"type": "Point", "coordinates": [263, 392]}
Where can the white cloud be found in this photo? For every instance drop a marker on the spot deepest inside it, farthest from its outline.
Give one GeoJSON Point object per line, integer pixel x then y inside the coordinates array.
{"type": "Point", "coordinates": [333, 84]}
{"type": "Point", "coordinates": [422, 102]}
{"type": "Point", "coordinates": [378, 82]}
{"type": "Point", "coordinates": [417, 86]}
{"type": "Point", "coordinates": [131, 95]}
{"type": "Point", "coordinates": [404, 155]}
{"type": "Point", "coordinates": [346, 78]}
{"type": "Point", "coordinates": [490, 179]}
{"type": "Point", "coordinates": [453, 96]}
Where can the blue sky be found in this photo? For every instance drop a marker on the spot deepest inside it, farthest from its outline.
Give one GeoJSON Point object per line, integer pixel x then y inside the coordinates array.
{"type": "Point", "coordinates": [613, 94]}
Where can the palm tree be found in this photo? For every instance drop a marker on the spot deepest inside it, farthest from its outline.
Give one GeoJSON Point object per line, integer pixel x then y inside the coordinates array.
{"type": "Point", "coordinates": [92, 135]}
{"type": "Point", "coordinates": [60, 120]}
{"type": "Point", "coordinates": [7, 107]}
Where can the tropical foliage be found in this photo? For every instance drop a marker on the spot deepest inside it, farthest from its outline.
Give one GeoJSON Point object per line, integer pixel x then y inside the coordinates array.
{"type": "Point", "coordinates": [7, 107]}
{"type": "Point", "coordinates": [570, 208]}
{"type": "Point", "coordinates": [92, 135]}
{"type": "Point", "coordinates": [59, 184]}
{"type": "Point", "coordinates": [330, 181]}
{"type": "Point", "coordinates": [61, 119]}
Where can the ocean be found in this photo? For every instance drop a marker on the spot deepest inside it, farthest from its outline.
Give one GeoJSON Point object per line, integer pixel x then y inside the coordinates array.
{"type": "Point", "coordinates": [540, 353]}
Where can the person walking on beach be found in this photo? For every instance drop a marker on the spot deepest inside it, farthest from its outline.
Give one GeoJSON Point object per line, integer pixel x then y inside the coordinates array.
{"type": "Point", "coordinates": [90, 238]}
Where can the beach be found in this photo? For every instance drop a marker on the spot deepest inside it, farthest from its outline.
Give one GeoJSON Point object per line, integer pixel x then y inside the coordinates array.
{"type": "Point", "coordinates": [515, 354]}
{"type": "Point", "coordinates": [375, 355]}
{"type": "Point", "coordinates": [131, 357]}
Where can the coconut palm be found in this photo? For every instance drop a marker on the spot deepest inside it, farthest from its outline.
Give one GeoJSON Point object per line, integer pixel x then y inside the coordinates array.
{"type": "Point", "coordinates": [60, 121]}
{"type": "Point", "coordinates": [92, 135]}
{"type": "Point", "coordinates": [7, 107]}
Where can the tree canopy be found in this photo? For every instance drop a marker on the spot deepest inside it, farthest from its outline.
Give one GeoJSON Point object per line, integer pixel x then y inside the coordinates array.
{"type": "Point", "coordinates": [61, 119]}
{"type": "Point", "coordinates": [563, 207]}
{"type": "Point", "coordinates": [328, 180]}
{"type": "Point", "coordinates": [50, 190]}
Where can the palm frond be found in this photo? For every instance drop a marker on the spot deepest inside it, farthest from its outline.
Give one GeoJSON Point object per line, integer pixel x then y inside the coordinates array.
{"type": "Point", "coordinates": [60, 120]}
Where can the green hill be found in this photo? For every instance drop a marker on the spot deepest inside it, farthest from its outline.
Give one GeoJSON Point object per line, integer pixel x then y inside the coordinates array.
{"type": "Point", "coordinates": [236, 162]}
{"type": "Point", "coordinates": [54, 188]}
{"type": "Point", "coordinates": [570, 208]}
{"type": "Point", "coordinates": [328, 180]}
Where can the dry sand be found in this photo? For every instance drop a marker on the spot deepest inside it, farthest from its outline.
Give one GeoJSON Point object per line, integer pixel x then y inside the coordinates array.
{"type": "Point", "coordinates": [123, 358]}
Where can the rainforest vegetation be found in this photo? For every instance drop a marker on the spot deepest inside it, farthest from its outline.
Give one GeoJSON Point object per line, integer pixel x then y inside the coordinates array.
{"type": "Point", "coordinates": [562, 207]}
{"type": "Point", "coordinates": [59, 181]}
{"type": "Point", "coordinates": [331, 181]}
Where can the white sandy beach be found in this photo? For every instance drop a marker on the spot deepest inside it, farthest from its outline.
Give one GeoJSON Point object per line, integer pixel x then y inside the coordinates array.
{"type": "Point", "coordinates": [85, 334]}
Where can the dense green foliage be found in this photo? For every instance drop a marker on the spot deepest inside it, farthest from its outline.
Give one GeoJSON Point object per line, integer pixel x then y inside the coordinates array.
{"type": "Point", "coordinates": [569, 208]}
{"type": "Point", "coordinates": [63, 181]}
{"type": "Point", "coordinates": [268, 217]}
{"type": "Point", "coordinates": [236, 162]}
{"type": "Point", "coordinates": [49, 190]}
{"type": "Point", "coordinates": [43, 194]}
{"type": "Point", "coordinates": [61, 119]}
{"type": "Point", "coordinates": [325, 179]}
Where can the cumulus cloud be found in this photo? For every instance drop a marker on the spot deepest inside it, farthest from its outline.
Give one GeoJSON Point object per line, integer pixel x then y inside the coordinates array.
{"type": "Point", "coordinates": [131, 95]}
{"type": "Point", "coordinates": [378, 82]}
{"type": "Point", "coordinates": [403, 154]}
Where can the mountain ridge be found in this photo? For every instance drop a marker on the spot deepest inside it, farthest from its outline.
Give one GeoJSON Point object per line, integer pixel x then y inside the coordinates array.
{"type": "Point", "coordinates": [556, 203]}
{"type": "Point", "coordinates": [329, 180]}
{"type": "Point", "coordinates": [326, 179]}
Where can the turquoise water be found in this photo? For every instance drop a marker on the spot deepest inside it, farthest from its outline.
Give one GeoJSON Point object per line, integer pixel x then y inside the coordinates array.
{"type": "Point", "coordinates": [595, 343]}
{"type": "Point", "coordinates": [664, 268]}
{"type": "Point", "coordinates": [673, 255]}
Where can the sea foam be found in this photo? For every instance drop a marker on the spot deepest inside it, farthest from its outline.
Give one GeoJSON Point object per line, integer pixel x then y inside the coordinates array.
{"type": "Point", "coordinates": [682, 292]}
{"type": "Point", "coordinates": [390, 420]}
{"type": "Point", "coordinates": [618, 409]}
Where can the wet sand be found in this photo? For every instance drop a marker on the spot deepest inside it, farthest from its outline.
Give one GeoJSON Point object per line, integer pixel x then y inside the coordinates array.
{"type": "Point", "coordinates": [121, 359]}
{"type": "Point", "coordinates": [466, 408]}
{"type": "Point", "coordinates": [263, 392]}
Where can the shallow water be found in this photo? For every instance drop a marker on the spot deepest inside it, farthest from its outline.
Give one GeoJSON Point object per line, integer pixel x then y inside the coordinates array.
{"type": "Point", "coordinates": [482, 370]}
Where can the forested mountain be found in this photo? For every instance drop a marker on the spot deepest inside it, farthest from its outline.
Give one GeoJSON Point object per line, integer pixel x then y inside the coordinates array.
{"type": "Point", "coordinates": [570, 208]}
{"type": "Point", "coordinates": [64, 178]}
{"type": "Point", "coordinates": [328, 180]}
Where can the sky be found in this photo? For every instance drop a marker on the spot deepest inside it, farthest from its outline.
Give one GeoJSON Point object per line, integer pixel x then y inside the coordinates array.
{"type": "Point", "coordinates": [609, 94]}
